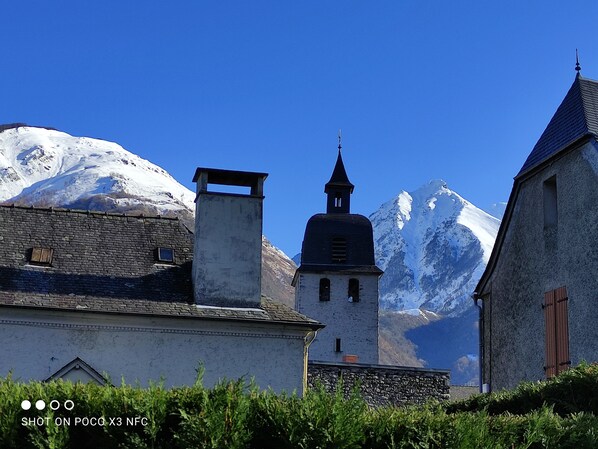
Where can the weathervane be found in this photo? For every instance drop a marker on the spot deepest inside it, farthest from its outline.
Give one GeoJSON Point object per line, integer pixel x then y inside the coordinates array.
{"type": "Point", "coordinates": [340, 137]}
{"type": "Point", "coordinates": [577, 66]}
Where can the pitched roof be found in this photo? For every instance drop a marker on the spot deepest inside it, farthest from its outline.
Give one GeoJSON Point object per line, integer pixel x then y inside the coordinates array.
{"type": "Point", "coordinates": [339, 175]}
{"type": "Point", "coordinates": [576, 117]}
{"type": "Point", "coordinates": [107, 263]}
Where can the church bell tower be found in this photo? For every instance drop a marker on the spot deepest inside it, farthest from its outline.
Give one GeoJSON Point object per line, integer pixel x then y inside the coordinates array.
{"type": "Point", "coordinates": [337, 280]}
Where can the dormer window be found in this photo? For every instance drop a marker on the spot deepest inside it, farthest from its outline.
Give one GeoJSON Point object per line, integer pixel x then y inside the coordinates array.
{"type": "Point", "coordinates": [165, 255]}
{"type": "Point", "coordinates": [41, 256]}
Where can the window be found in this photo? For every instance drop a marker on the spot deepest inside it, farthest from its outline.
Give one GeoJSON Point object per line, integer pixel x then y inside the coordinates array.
{"type": "Point", "coordinates": [550, 203]}
{"type": "Point", "coordinates": [338, 200]}
{"type": "Point", "coordinates": [41, 256]}
{"type": "Point", "coordinates": [339, 250]}
{"type": "Point", "coordinates": [353, 293]}
{"type": "Point", "coordinates": [324, 289]}
{"type": "Point", "coordinates": [557, 331]}
{"type": "Point", "coordinates": [337, 345]}
{"type": "Point", "coordinates": [165, 255]}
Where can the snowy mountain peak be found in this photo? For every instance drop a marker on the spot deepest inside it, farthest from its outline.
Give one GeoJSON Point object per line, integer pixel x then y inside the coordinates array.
{"type": "Point", "coordinates": [42, 167]}
{"type": "Point", "coordinates": [433, 245]}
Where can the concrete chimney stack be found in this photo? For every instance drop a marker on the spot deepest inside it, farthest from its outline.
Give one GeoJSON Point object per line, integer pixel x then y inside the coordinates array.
{"type": "Point", "coordinates": [227, 259]}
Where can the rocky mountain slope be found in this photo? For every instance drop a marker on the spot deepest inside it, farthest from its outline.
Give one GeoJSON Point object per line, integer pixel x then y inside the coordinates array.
{"type": "Point", "coordinates": [433, 246]}
{"type": "Point", "coordinates": [45, 167]}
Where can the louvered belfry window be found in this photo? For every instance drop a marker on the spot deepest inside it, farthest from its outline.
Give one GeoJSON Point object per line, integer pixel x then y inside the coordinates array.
{"type": "Point", "coordinates": [557, 331]}
{"type": "Point", "coordinates": [339, 250]}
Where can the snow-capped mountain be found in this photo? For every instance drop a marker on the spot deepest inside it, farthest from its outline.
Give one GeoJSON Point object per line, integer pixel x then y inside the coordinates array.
{"type": "Point", "coordinates": [45, 167]}
{"type": "Point", "coordinates": [433, 246]}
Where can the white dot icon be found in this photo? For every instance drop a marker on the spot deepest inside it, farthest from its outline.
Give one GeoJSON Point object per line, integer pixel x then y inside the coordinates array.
{"type": "Point", "coordinates": [25, 405]}
{"type": "Point", "coordinates": [40, 405]}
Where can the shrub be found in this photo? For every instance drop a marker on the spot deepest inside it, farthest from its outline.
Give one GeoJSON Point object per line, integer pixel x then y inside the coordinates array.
{"type": "Point", "coordinates": [573, 391]}
{"type": "Point", "coordinates": [558, 413]}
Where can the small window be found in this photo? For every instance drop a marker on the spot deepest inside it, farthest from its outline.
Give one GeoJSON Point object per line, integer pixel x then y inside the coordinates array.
{"type": "Point", "coordinates": [41, 256]}
{"type": "Point", "coordinates": [324, 289]}
{"type": "Point", "coordinates": [339, 250]}
{"type": "Point", "coordinates": [337, 345]}
{"type": "Point", "coordinates": [165, 255]}
{"type": "Point", "coordinates": [550, 203]}
{"type": "Point", "coordinates": [353, 292]}
{"type": "Point", "coordinates": [338, 200]}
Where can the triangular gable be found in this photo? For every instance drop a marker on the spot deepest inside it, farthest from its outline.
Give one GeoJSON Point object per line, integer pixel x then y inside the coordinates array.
{"type": "Point", "coordinates": [78, 370]}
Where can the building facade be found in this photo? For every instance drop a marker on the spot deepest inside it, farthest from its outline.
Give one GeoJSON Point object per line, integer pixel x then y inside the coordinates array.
{"type": "Point", "coordinates": [538, 300]}
{"type": "Point", "coordinates": [99, 297]}
{"type": "Point", "coordinates": [337, 280]}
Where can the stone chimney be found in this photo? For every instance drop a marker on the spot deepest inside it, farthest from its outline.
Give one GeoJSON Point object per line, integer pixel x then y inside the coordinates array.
{"type": "Point", "coordinates": [227, 258]}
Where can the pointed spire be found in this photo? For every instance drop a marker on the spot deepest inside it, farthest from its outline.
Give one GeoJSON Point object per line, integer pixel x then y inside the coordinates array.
{"type": "Point", "coordinates": [339, 188]}
{"type": "Point", "coordinates": [339, 174]}
{"type": "Point", "coordinates": [577, 66]}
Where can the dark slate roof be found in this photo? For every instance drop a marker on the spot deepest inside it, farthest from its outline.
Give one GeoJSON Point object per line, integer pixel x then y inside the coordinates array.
{"type": "Point", "coordinates": [576, 117]}
{"type": "Point", "coordinates": [339, 176]}
{"type": "Point", "coordinates": [269, 310]}
{"type": "Point", "coordinates": [317, 243]}
{"type": "Point", "coordinates": [106, 263]}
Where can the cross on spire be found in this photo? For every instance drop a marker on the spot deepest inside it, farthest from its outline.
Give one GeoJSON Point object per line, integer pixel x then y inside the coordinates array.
{"type": "Point", "coordinates": [340, 138]}
{"type": "Point", "coordinates": [577, 66]}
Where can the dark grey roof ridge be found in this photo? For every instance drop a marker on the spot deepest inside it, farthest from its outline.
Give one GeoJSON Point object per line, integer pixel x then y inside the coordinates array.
{"type": "Point", "coordinates": [86, 212]}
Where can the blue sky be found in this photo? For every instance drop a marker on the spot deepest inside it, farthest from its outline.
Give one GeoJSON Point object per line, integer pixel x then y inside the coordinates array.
{"type": "Point", "coordinates": [455, 90]}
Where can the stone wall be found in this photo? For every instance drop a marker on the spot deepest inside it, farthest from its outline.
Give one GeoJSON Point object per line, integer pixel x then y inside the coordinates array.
{"type": "Point", "coordinates": [383, 385]}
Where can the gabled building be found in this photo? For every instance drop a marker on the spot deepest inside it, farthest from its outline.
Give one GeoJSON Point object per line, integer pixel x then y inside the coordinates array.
{"type": "Point", "coordinates": [337, 280]}
{"type": "Point", "coordinates": [538, 294]}
{"type": "Point", "coordinates": [95, 296]}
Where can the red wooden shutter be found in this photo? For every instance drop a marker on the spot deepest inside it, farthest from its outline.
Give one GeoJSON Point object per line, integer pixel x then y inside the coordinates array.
{"type": "Point", "coordinates": [557, 331]}
{"type": "Point", "coordinates": [549, 317]}
{"type": "Point", "coordinates": [562, 329]}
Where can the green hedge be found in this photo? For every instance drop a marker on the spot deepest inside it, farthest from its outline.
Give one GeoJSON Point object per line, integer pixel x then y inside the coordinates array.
{"type": "Point", "coordinates": [573, 391]}
{"type": "Point", "coordinates": [559, 413]}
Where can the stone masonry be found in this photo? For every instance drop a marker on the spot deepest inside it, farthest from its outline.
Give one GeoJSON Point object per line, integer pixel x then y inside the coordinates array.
{"type": "Point", "coordinates": [383, 385]}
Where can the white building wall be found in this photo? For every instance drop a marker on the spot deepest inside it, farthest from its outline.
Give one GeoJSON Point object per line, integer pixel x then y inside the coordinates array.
{"type": "Point", "coordinates": [36, 344]}
{"type": "Point", "coordinates": [355, 323]}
